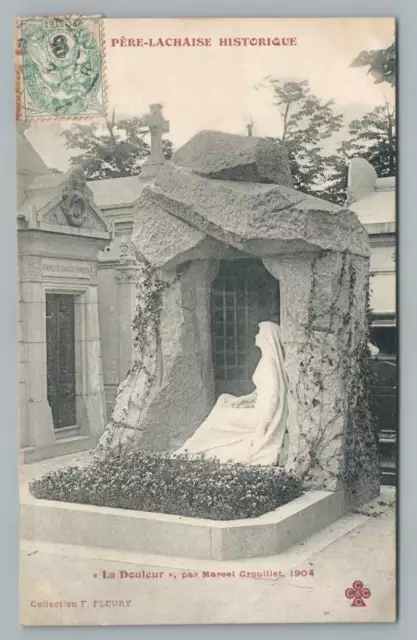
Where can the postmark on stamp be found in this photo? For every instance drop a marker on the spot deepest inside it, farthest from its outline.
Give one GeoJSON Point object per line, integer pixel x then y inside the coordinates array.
{"type": "Point", "coordinates": [59, 68]}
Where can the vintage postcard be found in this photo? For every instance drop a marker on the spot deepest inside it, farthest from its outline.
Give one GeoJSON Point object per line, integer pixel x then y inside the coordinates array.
{"type": "Point", "coordinates": [206, 220]}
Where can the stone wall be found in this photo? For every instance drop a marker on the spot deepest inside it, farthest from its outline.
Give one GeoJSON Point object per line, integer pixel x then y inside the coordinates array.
{"type": "Point", "coordinates": [237, 192]}
{"type": "Point", "coordinates": [162, 414]}
{"type": "Point", "coordinates": [186, 394]}
{"type": "Point", "coordinates": [323, 322]}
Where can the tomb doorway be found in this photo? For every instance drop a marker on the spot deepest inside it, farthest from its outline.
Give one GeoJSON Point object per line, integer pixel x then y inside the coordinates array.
{"type": "Point", "coordinates": [243, 294]}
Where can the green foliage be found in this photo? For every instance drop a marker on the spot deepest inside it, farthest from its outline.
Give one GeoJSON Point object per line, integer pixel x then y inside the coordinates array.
{"type": "Point", "coordinates": [373, 137]}
{"type": "Point", "coordinates": [115, 150]}
{"type": "Point", "coordinates": [349, 359]}
{"type": "Point", "coordinates": [148, 309]}
{"type": "Point", "coordinates": [382, 64]}
{"type": "Point", "coordinates": [155, 482]}
{"type": "Point", "coordinates": [335, 186]}
{"type": "Point", "coordinates": [306, 122]}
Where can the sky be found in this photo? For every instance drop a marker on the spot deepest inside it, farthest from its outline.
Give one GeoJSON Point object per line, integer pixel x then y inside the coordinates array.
{"type": "Point", "coordinates": [215, 87]}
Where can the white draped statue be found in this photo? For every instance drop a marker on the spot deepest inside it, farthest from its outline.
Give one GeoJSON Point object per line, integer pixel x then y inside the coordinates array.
{"type": "Point", "coordinates": [249, 429]}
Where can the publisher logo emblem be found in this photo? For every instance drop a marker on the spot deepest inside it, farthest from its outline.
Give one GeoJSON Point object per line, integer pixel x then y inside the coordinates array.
{"type": "Point", "coordinates": [358, 593]}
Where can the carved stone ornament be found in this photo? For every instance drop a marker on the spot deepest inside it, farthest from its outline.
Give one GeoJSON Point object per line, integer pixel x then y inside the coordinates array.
{"type": "Point", "coordinates": [124, 247]}
{"type": "Point", "coordinates": [31, 267]}
{"type": "Point", "coordinates": [130, 274]}
{"type": "Point", "coordinates": [93, 270]}
{"type": "Point", "coordinates": [74, 199]}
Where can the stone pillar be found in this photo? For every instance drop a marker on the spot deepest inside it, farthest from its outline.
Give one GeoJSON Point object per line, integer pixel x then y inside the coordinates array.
{"type": "Point", "coordinates": [91, 411]}
{"type": "Point", "coordinates": [162, 403]}
{"type": "Point", "coordinates": [186, 394]}
{"type": "Point", "coordinates": [323, 320]}
{"type": "Point", "coordinates": [39, 424]}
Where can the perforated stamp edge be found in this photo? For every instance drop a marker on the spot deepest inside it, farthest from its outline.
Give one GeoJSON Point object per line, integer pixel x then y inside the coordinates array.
{"type": "Point", "coordinates": [23, 110]}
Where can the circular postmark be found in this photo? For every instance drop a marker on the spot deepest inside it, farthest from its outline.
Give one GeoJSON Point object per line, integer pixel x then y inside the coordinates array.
{"type": "Point", "coordinates": [61, 67]}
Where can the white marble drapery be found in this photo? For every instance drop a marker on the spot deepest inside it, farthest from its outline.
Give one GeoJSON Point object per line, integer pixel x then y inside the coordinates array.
{"type": "Point", "coordinates": [249, 429]}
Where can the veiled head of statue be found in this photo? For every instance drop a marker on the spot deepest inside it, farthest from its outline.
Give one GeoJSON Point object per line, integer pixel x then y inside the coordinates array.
{"type": "Point", "coordinates": [269, 335]}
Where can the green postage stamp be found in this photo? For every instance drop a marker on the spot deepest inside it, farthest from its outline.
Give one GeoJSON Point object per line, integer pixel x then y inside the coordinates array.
{"type": "Point", "coordinates": [59, 67]}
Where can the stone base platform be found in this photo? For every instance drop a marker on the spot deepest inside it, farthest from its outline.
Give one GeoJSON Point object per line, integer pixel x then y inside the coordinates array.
{"type": "Point", "coordinates": [155, 533]}
{"type": "Point", "coordinates": [62, 447]}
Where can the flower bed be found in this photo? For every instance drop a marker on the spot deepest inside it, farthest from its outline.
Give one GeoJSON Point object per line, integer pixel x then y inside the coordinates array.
{"type": "Point", "coordinates": [143, 481]}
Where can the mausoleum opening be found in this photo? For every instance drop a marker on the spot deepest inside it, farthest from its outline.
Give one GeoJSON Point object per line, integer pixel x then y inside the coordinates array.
{"type": "Point", "coordinates": [243, 294]}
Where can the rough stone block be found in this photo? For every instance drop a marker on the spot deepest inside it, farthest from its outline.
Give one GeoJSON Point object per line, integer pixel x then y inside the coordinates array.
{"type": "Point", "coordinates": [159, 236]}
{"type": "Point", "coordinates": [252, 217]}
{"type": "Point", "coordinates": [225, 156]}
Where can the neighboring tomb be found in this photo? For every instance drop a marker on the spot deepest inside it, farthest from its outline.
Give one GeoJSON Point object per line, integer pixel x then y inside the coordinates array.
{"type": "Point", "coordinates": [60, 232]}
{"type": "Point", "coordinates": [222, 243]}
{"type": "Point", "coordinates": [373, 199]}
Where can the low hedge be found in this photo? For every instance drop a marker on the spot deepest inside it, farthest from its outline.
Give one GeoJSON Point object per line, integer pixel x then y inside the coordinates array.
{"type": "Point", "coordinates": [143, 481]}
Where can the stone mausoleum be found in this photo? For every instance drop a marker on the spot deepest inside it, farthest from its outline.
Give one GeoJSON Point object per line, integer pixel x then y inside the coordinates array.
{"type": "Point", "coordinates": [213, 242]}
{"type": "Point", "coordinates": [60, 232]}
{"type": "Point", "coordinates": [373, 199]}
{"type": "Point", "coordinates": [227, 242]}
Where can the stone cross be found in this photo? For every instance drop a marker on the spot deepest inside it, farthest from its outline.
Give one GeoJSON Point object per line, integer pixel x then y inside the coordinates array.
{"type": "Point", "coordinates": [157, 126]}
